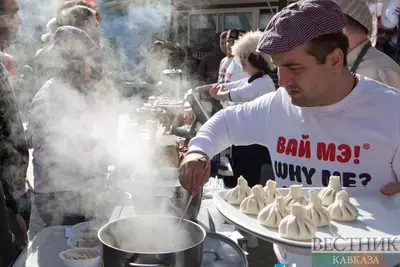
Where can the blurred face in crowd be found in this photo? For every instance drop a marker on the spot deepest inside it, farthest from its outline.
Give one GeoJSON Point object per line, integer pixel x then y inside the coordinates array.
{"type": "Point", "coordinates": [307, 82]}
{"type": "Point", "coordinates": [229, 43]}
{"type": "Point", "coordinates": [222, 45]}
{"type": "Point", "coordinates": [10, 20]}
{"type": "Point", "coordinates": [384, 35]}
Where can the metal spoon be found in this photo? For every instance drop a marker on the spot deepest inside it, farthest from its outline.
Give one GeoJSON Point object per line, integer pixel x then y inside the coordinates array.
{"type": "Point", "coordinates": [185, 211]}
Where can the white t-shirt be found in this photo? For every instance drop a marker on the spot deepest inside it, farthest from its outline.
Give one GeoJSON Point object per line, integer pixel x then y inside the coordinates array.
{"type": "Point", "coordinates": [357, 138]}
{"type": "Point", "coordinates": [242, 91]}
{"type": "Point", "coordinates": [235, 72]}
{"type": "Point", "coordinates": [223, 66]}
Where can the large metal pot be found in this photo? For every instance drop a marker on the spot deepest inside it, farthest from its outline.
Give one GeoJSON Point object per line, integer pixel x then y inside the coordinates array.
{"type": "Point", "coordinates": [144, 241]}
{"type": "Point", "coordinates": [163, 184]}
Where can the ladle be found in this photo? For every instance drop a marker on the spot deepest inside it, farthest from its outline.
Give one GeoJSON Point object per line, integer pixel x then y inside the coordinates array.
{"type": "Point", "coordinates": [185, 211]}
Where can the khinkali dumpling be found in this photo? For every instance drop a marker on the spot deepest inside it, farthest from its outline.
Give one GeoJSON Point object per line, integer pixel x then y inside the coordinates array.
{"type": "Point", "coordinates": [342, 209]}
{"type": "Point", "coordinates": [270, 189]}
{"type": "Point", "coordinates": [318, 213]}
{"type": "Point", "coordinates": [328, 194]}
{"type": "Point", "coordinates": [254, 203]}
{"type": "Point", "coordinates": [273, 213]}
{"type": "Point", "coordinates": [236, 195]}
{"type": "Point", "coordinates": [295, 196]}
{"type": "Point", "coordinates": [297, 225]}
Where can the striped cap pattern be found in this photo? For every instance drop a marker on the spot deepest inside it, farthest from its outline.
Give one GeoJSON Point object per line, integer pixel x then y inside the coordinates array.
{"type": "Point", "coordinates": [299, 23]}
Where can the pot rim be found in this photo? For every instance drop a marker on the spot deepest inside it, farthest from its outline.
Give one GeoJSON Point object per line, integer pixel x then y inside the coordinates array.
{"type": "Point", "coordinates": [102, 229]}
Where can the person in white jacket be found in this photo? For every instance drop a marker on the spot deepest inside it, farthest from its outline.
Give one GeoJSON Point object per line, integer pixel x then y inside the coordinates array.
{"type": "Point", "coordinates": [247, 160]}
{"type": "Point", "coordinates": [256, 65]}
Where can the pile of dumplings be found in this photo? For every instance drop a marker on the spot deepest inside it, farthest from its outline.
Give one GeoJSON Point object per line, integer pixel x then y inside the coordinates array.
{"type": "Point", "coordinates": [295, 216]}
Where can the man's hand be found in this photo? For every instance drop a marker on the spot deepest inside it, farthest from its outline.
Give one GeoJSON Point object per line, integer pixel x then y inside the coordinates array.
{"type": "Point", "coordinates": [194, 172]}
{"type": "Point", "coordinates": [390, 189]}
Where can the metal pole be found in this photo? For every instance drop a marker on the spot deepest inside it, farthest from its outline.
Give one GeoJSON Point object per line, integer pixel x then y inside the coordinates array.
{"type": "Point", "coordinates": [270, 8]}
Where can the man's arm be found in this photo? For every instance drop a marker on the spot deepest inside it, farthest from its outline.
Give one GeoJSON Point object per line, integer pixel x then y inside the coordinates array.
{"type": "Point", "coordinates": [239, 125]}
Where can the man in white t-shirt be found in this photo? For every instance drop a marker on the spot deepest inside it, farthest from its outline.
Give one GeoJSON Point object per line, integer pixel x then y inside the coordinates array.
{"type": "Point", "coordinates": [322, 121]}
{"type": "Point", "coordinates": [234, 71]}
{"type": "Point", "coordinates": [226, 61]}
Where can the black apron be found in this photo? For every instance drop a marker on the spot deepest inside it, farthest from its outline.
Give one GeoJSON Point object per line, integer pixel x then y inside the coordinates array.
{"type": "Point", "coordinates": [360, 56]}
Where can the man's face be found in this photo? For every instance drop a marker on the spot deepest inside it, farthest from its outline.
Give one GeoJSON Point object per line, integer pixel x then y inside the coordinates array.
{"type": "Point", "coordinates": [303, 78]}
{"type": "Point", "coordinates": [229, 43]}
{"type": "Point", "coordinates": [10, 20]}
{"type": "Point", "coordinates": [384, 34]}
{"type": "Point", "coordinates": [222, 45]}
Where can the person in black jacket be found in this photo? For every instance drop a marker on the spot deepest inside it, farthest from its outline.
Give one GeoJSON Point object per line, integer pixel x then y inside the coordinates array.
{"type": "Point", "coordinates": [14, 155]}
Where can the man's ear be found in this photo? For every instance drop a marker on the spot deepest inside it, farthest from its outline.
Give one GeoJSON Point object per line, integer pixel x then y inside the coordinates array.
{"type": "Point", "coordinates": [346, 30]}
{"type": "Point", "coordinates": [335, 60]}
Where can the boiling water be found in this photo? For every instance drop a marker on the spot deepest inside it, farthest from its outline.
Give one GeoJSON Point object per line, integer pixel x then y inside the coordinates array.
{"type": "Point", "coordinates": [154, 235]}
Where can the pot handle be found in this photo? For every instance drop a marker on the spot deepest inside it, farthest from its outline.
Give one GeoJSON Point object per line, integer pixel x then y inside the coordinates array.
{"type": "Point", "coordinates": [217, 256]}
{"type": "Point", "coordinates": [132, 264]}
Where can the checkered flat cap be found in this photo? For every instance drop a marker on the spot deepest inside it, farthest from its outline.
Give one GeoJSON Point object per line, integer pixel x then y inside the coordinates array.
{"type": "Point", "coordinates": [299, 23]}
